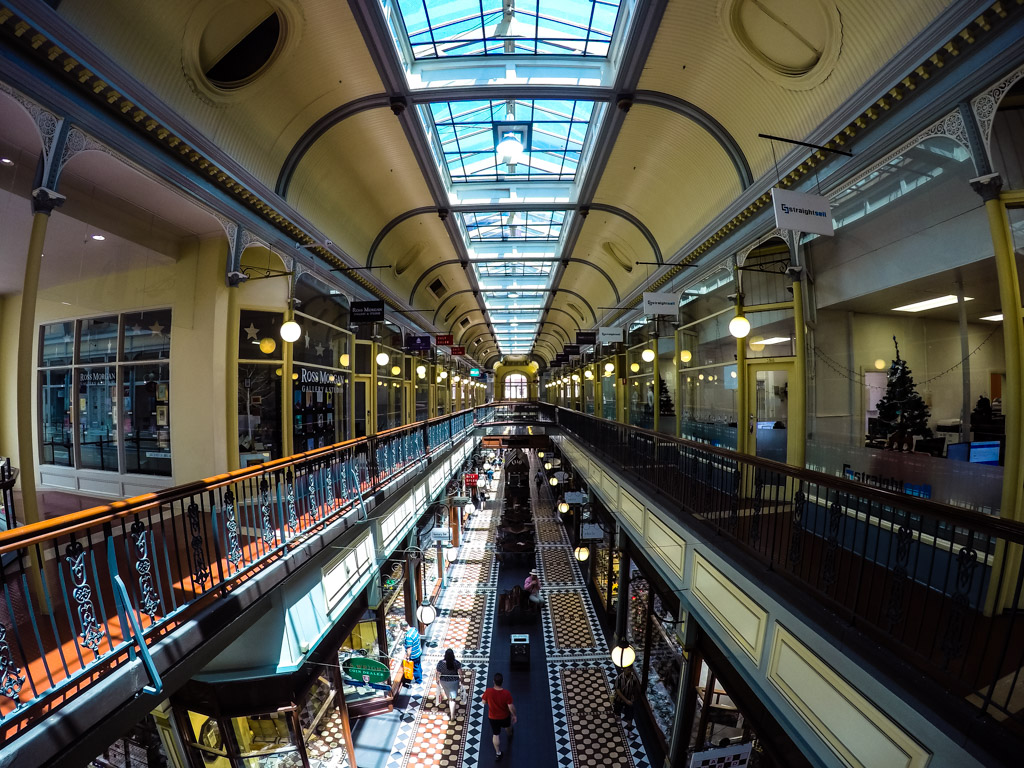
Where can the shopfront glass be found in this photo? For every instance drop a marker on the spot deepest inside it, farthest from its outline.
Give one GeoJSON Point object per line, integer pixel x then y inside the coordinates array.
{"type": "Point", "coordinates": [641, 398]}
{"type": "Point", "coordinates": [320, 385]}
{"type": "Point", "coordinates": [260, 373]}
{"type": "Point", "coordinates": [390, 391]}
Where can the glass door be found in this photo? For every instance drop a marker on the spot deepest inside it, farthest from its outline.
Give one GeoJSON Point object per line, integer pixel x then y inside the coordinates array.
{"type": "Point", "coordinates": [768, 411]}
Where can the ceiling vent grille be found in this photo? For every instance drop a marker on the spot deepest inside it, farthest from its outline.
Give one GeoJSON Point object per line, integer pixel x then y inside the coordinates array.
{"type": "Point", "coordinates": [438, 288]}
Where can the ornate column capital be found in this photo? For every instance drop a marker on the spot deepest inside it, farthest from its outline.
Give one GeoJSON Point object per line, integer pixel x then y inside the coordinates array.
{"type": "Point", "coordinates": [988, 186]}
{"type": "Point", "coordinates": [45, 200]}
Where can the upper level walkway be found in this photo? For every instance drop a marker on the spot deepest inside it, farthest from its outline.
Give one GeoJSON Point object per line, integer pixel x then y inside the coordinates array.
{"type": "Point", "coordinates": [100, 608]}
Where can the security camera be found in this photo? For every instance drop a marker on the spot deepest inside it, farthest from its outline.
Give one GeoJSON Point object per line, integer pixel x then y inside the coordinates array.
{"type": "Point", "coordinates": [328, 242]}
{"type": "Point", "coordinates": [238, 277]}
{"type": "Point", "coordinates": [794, 271]}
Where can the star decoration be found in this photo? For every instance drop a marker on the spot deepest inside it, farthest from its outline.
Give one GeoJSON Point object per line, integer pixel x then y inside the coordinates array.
{"type": "Point", "coordinates": [252, 332]}
{"type": "Point", "coordinates": [319, 349]}
{"type": "Point", "coordinates": [307, 339]}
{"type": "Point", "coordinates": [136, 329]}
{"type": "Point", "coordinates": [156, 329]}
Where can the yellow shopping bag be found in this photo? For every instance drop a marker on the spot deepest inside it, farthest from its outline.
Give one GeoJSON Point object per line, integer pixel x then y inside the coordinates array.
{"type": "Point", "coordinates": [407, 669]}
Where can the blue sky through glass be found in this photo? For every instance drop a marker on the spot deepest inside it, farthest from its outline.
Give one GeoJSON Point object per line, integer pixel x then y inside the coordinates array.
{"type": "Point", "coordinates": [443, 28]}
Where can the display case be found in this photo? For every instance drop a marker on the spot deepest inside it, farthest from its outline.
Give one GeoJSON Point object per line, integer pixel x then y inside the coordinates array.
{"type": "Point", "coordinates": [605, 573]}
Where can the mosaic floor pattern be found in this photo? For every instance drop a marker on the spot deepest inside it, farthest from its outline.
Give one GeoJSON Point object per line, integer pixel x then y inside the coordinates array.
{"type": "Point", "coordinates": [570, 620]}
{"type": "Point", "coordinates": [326, 749]}
{"type": "Point", "coordinates": [438, 741]}
{"type": "Point", "coordinates": [549, 532]}
{"type": "Point", "coordinates": [595, 734]}
{"type": "Point", "coordinates": [557, 568]}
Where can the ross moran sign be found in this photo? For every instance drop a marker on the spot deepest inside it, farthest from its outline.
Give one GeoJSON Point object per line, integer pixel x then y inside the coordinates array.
{"type": "Point", "coordinates": [802, 213]}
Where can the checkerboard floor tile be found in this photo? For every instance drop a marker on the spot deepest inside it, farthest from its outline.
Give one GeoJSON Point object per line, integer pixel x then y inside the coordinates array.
{"type": "Point", "coordinates": [549, 532]}
{"type": "Point", "coordinates": [595, 733]}
{"type": "Point", "coordinates": [569, 620]}
{"type": "Point", "coordinates": [438, 740]}
{"type": "Point", "coordinates": [557, 568]}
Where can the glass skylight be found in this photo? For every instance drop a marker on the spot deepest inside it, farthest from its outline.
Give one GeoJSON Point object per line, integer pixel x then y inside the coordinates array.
{"type": "Point", "coordinates": [513, 269]}
{"type": "Point", "coordinates": [442, 28]}
{"type": "Point", "coordinates": [519, 226]}
{"type": "Point", "coordinates": [467, 135]}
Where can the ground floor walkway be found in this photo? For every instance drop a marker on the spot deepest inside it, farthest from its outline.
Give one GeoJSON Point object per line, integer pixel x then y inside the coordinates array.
{"type": "Point", "coordinates": [562, 696]}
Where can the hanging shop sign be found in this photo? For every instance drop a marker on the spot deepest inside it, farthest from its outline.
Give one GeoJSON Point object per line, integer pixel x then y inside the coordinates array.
{"type": "Point", "coordinates": [459, 501]}
{"type": "Point", "coordinates": [656, 303]}
{"type": "Point", "coordinates": [584, 338]}
{"type": "Point", "coordinates": [367, 311]}
{"type": "Point", "coordinates": [610, 335]}
{"type": "Point", "coordinates": [361, 669]}
{"type": "Point", "coordinates": [444, 339]}
{"type": "Point", "coordinates": [576, 497]}
{"type": "Point", "coordinates": [474, 372]}
{"type": "Point", "coordinates": [803, 213]}
{"type": "Point", "coordinates": [571, 349]}
{"type": "Point", "coordinates": [417, 343]}
{"type": "Point", "coordinates": [471, 479]}
{"type": "Point", "coordinates": [456, 351]}
{"type": "Point", "coordinates": [591, 532]}
{"type": "Point", "coordinates": [441, 533]}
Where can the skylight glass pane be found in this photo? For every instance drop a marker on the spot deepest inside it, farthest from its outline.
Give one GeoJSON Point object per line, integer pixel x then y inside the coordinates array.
{"type": "Point", "coordinates": [551, 132]}
{"type": "Point", "coordinates": [513, 226]}
{"type": "Point", "coordinates": [442, 28]}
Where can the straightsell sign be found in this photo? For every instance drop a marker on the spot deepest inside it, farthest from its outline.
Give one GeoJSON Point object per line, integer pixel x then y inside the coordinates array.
{"type": "Point", "coordinates": [802, 213]}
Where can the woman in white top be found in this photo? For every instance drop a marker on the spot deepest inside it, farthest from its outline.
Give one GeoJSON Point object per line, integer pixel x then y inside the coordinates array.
{"type": "Point", "coordinates": [449, 679]}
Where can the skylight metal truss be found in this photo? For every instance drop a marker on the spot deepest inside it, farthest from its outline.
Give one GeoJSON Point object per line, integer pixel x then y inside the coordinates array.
{"type": "Point", "coordinates": [466, 135]}
{"type": "Point", "coordinates": [445, 28]}
{"type": "Point", "coordinates": [513, 226]}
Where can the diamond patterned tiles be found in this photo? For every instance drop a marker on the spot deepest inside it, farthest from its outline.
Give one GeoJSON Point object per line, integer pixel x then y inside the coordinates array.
{"type": "Point", "coordinates": [557, 568]}
{"type": "Point", "coordinates": [466, 621]}
{"type": "Point", "coordinates": [438, 741]}
{"type": "Point", "coordinates": [327, 743]}
{"type": "Point", "coordinates": [478, 567]}
{"type": "Point", "coordinates": [594, 731]}
{"type": "Point", "coordinates": [550, 533]}
{"type": "Point", "coordinates": [569, 619]}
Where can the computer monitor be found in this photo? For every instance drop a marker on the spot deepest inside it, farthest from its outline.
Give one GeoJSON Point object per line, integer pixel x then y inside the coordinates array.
{"type": "Point", "coordinates": [985, 452]}
{"type": "Point", "coordinates": [958, 451]}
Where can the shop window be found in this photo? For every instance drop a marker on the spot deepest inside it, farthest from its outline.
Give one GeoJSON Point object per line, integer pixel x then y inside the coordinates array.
{"type": "Point", "coordinates": [259, 412]}
{"type": "Point", "coordinates": [84, 422]}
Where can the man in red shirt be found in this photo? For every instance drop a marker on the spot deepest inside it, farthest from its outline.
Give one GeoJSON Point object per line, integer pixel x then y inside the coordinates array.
{"type": "Point", "coordinates": [500, 711]}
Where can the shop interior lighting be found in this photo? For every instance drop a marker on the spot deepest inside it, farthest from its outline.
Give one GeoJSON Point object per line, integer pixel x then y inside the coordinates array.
{"type": "Point", "coordinates": [686, 356]}
{"type": "Point", "coordinates": [921, 306]}
{"type": "Point", "coordinates": [395, 370]}
{"type": "Point", "coordinates": [647, 355]}
{"type": "Point", "coordinates": [382, 358]}
{"type": "Point", "coordinates": [98, 238]}
{"type": "Point", "coordinates": [581, 554]}
{"type": "Point", "coordinates": [739, 327]}
{"type": "Point", "coordinates": [992, 318]}
{"type": "Point", "coordinates": [290, 330]}
{"type": "Point", "coordinates": [775, 340]}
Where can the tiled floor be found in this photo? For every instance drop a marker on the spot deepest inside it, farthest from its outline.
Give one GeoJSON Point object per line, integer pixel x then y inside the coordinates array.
{"type": "Point", "coordinates": [562, 696]}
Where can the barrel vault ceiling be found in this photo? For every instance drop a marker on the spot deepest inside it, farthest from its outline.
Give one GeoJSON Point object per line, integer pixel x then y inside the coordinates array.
{"type": "Point", "coordinates": [391, 128]}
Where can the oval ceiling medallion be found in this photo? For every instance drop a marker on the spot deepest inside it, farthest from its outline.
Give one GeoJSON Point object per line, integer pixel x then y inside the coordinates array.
{"type": "Point", "coordinates": [410, 256]}
{"type": "Point", "coordinates": [616, 253]}
{"type": "Point", "coordinates": [793, 43]}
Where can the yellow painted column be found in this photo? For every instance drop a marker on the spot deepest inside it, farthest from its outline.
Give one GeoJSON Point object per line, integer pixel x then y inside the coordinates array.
{"type": "Point", "coordinates": [742, 406]}
{"type": "Point", "coordinates": [656, 383]}
{"type": "Point", "coordinates": [796, 437]}
{"type": "Point", "coordinates": [231, 379]}
{"type": "Point", "coordinates": [43, 203]}
{"type": "Point", "coordinates": [287, 407]}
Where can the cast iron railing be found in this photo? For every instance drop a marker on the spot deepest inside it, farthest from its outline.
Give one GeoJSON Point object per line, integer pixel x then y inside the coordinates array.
{"type": "Point", "coordinates": [86, 592]}
{"type": "Point", "coordinates": [941, 587]}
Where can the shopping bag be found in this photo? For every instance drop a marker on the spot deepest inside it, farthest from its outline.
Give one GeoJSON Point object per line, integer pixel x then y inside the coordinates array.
{"type": "Point", "coordinates": [407, 669]}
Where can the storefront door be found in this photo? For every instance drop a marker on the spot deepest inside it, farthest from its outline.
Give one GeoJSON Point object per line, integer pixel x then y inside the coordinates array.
{"type": "Point", "coordinates": [768, 408]}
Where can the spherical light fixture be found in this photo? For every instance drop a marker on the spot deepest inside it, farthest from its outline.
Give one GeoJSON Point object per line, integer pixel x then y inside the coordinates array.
{"type": "Point", "coordinates": [267, 345]}
{"type": "Point", "coordinates": [575, 377]}
{"type": "Point", "coordinates": [456, 378]}
{"type": "Point", "coordinates": [444, 374]}
{"type": "Point", "coordinates": [623, 656]}
{"type": "Point", "coordinates": [510, 149]}
{"type": "Point", "coordinates": [553, 482]}
{"type": "Point", "coordinates": [547, 465]}
{"type": "Point", "coordinates": [686, 356]}
{"type": "Point", "coordinates": [395, 370]}
{"type": "Point", "coordinates": [609, 367]}
{"type": "Point", "coordinates": [588, 374]}
{"type": "Point", "coordinates": [421, 371]}
{"type": "Point", "coordinates": [880, 364]}
{"type": "Point", "coordinates": [581, 553]}
{"type": "Point", "coordinates": [563, 507]}
{"type": "Point", "coordinates": [757, 344]}
{"type": "Point", "coordinates": [295, 377]}
{"type": "Point", "coordinates": [382, 358]}
{"type": "Point", "coordinates": [290, 331]}
{"type": "Point", "coordinates": [278, 372]}
{"type": "Point", "coordinates": [344, 360]}
{"type": "Point", "coordinates": [701, 377]}
{"type": "Point", "coordinates": [647, 355]}
{"type": "Point", "coordinates": [739, 327]}
{"type": "Point", "coordinates": [732, 374]}
{"type": "Point", "coordinates": [426, 614]}
{"type": "Point", "coordinates": [634, 367]}
{"type": "Point", "coordinates": [451, 554]}
{"type": "Point", "coordinates": [540, 454]}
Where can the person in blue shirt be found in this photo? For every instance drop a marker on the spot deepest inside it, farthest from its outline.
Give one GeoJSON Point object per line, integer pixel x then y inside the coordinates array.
{"type": "Point", "coordinates": [413, 650]}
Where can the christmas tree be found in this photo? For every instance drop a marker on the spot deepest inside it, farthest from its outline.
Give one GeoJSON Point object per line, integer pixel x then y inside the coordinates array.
{"type": "Point", "coordinates": [665, 405]}
{"type": "Point", "coordinates": [901, 409]}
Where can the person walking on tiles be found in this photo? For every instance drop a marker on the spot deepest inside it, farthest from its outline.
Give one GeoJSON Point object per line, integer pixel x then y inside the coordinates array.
{"type": "Point", "coordinates": [500, 711]}
{"type": "Point", "coordinates": [413, 651]}
{"type": "Point", "coordinates": [449, 680]}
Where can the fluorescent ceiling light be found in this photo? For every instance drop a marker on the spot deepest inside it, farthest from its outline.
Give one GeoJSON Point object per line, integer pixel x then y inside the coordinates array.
{"type": "Point", "coordinates": [994, 318]}
{"type": "Point", "coordinates": [921, 306]}
{"type": "Point", "coordinates": [775, 340]}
